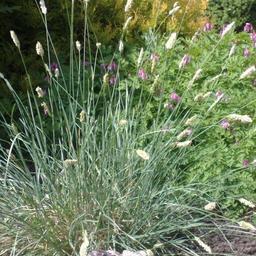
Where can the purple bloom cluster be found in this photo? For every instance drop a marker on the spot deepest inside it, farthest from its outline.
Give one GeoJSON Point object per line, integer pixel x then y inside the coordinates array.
{"type": "Point", "coordinates": [246, 53]}
{"type": "Point", "coordinates": [142, 74]}
{"type": "Point", "coordinates": [225, 124]}
{"type": "Point", "coordinates": [208, 27]}
{"type": "Point", "coordinates": [175, 97]}
{"type": "Point", "coordinates": [248, 27]}
{"type": "Point", "coordinates": [110, 68]}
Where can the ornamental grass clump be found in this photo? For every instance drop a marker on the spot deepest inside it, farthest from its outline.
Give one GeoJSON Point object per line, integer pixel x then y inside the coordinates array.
{"type": "Point", "coordinates": [89, 167]}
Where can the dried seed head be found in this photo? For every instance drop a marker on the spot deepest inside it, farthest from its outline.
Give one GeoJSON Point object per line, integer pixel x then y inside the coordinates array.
{"type": "Point", "coordinates": [240, 118]}
{"type": "Point", "coordinates": [82, 116]}
{"type": "Point", "coordinates": [46, 109]}
{"type": "Point", "coordinates": [128, 5]}
{"type": "Point", "coordinates": [248, 72]}
{"type": "Point", "coordinates": [232, 50]}
{"type": "Point", "coordinates": [123, 122]}
{"type": "Point", "coordinates": [187, 132]}
{"type": "Point", "coordinates": [70, 162]}
{"type": "Point", "coordinates": [174, 10]}
{"type": "Point", "coordinates": [246, 202]}
{"type": "Point", "coordinates": [192, 120]}
{"type": "Point", "coordinates": [15, 39]}
{"type": "Point", "coordinates": [203, 245]}
{"type": "Point", "coordinates": [78, 46]}
{"type": "Point", "coordinates": [246, 225]}
{"type": "Point", "coordinates": [140, 57]}
{"type": "Point", "coordinates": [183, 144]}
{"type": "Point", "coordinates": [84, 246]}
{"type": "Point", "coordinates": [40, 92]}
{"type": "Point", "coordinates": [210, 206]}
{"type": "Point", "coordinates": [171, 41]}
{"type": "Point", "coordinates": [39, 49]}
{"type": "Point", "coordinates": [121, 46]}
{"type": "Point", "coordinates": [43, 7]}
{"type": "Point", "coordinates": [142, 154]}
{"type": "Point", "coordinates": [127, 23]}
{"type": "Point", "coordinates": [227, 29]}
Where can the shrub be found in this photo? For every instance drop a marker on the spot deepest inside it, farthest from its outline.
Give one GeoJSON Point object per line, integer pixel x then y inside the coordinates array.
{"type": "Point", "coordinates": [226, 11]}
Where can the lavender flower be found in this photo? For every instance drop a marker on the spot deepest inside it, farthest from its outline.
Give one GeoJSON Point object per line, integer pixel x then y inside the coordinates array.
{"type": "Point", "coordinates": [248, 27]}
{"type": "Point", "coordinates": [168, 106]}
{"type": "Point", "coordinates": [246, 53]}
{"type": "Point", "coordinates": [142, 74]}
{"type": "Point", "coordinates": [226, 29]}
{"type": "Point", "coordinates": [219, 94]}
{"type": "Point", "coordinates": [207, 27]}
{"type": "Point", "coordinates": [185, 61]}
{"type": "Point", "coordinates": [154, 57]}
{"type": "Point", "coordinates": [175, 97]}
{"type": "Point", "coordinates": [112, 66]}
{"type": "Point", "coordinates": [112, 80]}
{"type": "Point", "coordinates": [246, 163]}
{"type": "Point", "coordinates": [54, 66]}
{"type": "Point", "coordinates": [225, 124]}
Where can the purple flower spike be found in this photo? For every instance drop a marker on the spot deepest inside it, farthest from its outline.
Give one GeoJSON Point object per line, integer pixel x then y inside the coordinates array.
{"type": "Point", "coordinates": [185, 61]}
{"type": "Point", "coordinates": [225, 124]}
{"type": "Point", "coordinates": [246, 53]}
{"type": "Point", "coordinates": [208, 27]}
{"type": "Point", "coordinates": [154, 57]}
{"type": "Point", "coordinates": [168, 106]}
{"type": "Point", "coordinates": [219, 94]}
{"type": "Point", "coordinates": [142, 74]}
{"type": "Point", "coordinates": [112, 66]}
{"type": "Point", "coordinates": [54, 66]}
{"type": "Point", "coordinates": [246, 163]}
{"type": "Point", "coordinates": [248, 27]}
{"type": "Point", "coordinates": [175, 97]}
{"type": "Point", "coordinates": [112, 80]}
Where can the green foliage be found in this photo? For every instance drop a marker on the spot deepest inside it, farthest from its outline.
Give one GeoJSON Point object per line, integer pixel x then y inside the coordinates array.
{"type": "Point", "coordinates": [226, 11]}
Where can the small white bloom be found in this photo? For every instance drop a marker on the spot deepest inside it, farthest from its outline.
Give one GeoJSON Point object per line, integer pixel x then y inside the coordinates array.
{"type": "Point", "coordinates": [240, 118]}
{"type": "Point", "coordinates": [171, 41]}
{"type": "Point", "coordinates": [43, 7]}
{"type": "Point", "coordinates": [47, 69]}
{"type": "Point", "coordinates": [227, 29]}
{"type": "Point", "coordinates": [248, 72]}
{"type": "Point", "coordinates": [15, 39]}
{"type": "Point", "coordinates": [246, 202]}
{"type": "Point", "coordinates": [232, 50]}
{"type": "Point", "coordinates": [140, 57]}
{"type": "Point", "coordinates": [78, 46]}
{"type": "Point", "coordinates": [210, 206]}
{"type": "Point", "coordinates": [39, 49]}
{"type": "Point", "coordinates": [203, 245]}
{"type": "Point", "coordinates": [40, 92]}
{"type": "Point", "coordinates": [127, 23]}
{"type": "Point", "coordinates": [142, 154]}
{"type": "Point", "coordinates": [121, 46]}
{"type": "Point", "coordinates": [195, 77]}
{"type": "Point", "coordinates": [128, 5]}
